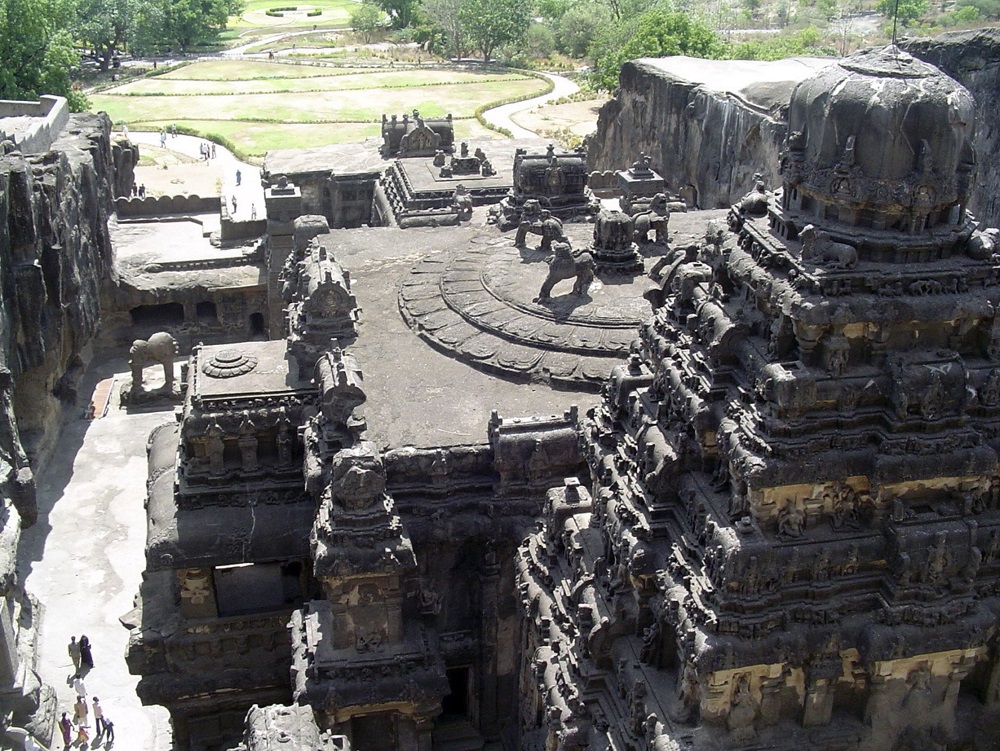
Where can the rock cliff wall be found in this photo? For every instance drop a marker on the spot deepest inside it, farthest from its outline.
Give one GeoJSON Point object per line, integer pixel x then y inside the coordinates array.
{"type": "Point", "coordinates": [55, 260]}
{"type": "Point", "coordinates": [708, 125]}
{"type": "Point", "coordinates": [973, 59]}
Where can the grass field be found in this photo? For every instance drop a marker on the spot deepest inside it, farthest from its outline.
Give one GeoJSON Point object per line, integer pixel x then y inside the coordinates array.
{"type": "Point", "coordinates": [261, 106]}
{"type": "Point", "coordinates": [335, 13]}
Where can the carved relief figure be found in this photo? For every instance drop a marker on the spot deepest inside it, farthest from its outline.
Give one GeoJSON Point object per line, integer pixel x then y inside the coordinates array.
{"type": "Point", "coordinates": [791, 520]}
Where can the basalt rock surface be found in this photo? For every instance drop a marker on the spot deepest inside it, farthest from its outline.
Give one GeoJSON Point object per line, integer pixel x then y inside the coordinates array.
{"type": "Point", "coordinates": [708, 125]}
{"type": "Point", "coordinates": [55, 255]}
{"type": "Point", "coordinates": [973, 59]}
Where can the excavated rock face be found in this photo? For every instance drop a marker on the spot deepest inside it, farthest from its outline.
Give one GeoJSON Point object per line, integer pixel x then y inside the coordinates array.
{"type": "Point", "coordinates": [708, 125]}
{"type": "Point", "coordinates": [55, 254]}
{"type": "Point", "coordinates": [973, 59]}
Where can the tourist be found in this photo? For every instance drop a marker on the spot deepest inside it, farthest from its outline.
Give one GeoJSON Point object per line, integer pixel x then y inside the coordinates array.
{"type": "Point", "coordinates": [173, 130]}
{"type": "Point", "coordinates": [78, 686]}
{"type": "Point", "coordinates": [74, 647]}
{"type": "Point", "coordinates": [85, 656]}
{"type": "Point", "coordinates": [135, 192]}
{"type": "Point", "coordinates": [66, 727]}
{"type": "Point", "coordinates": [99, 725]}
{"type": "Point", "coordinates": [253, 211]}
{"type": "Point", "coordinates": [82, 736]}
{"type": "Point", "coordinates": [239, 177]}
{"type": "Point", "coordinates": [234, 204]}
{"type": "Point", "coordinates": [125, 130]}
{"type": "Point", "coordinates": [163, 138]}
{"type": "Point", "coordinates": [213, 151]}
{"type": "Point", "coordinates": [109, 728]}
{"type": "Point", "coordinates": [80, 711]}
{"type": "Point", "coordinates": [142, 190]}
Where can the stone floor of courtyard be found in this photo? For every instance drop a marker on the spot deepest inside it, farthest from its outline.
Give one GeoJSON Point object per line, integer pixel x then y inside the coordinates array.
{"type": "Point", "coordinates": [83, 559]}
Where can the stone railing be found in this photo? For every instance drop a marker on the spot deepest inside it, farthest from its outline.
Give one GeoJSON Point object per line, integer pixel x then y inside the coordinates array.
{"type": "Point", "coordinates": [159, 205]}
{"type": "Point", "coordinates": [52, 113]}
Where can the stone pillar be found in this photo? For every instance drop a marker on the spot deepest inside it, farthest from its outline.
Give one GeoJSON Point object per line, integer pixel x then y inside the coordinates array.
{"type": "Point", "coordinates": [818, 708]}
{"type": "Point", "coordinates": [284, 204]}
{"type": "Point", "coordinates": [424, 729]}
{"type": "Point", "coordinates": [770, 700]}
{"type": "Point", "coordinates": [488, 651]}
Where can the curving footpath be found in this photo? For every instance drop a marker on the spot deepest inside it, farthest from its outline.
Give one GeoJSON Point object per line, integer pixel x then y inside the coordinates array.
{"type": "Point", "coordinates": [499, 117]}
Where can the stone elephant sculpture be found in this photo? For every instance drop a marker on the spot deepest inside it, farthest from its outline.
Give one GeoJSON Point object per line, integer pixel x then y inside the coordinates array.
{"type": "Point", "coordinates": [160, 347]}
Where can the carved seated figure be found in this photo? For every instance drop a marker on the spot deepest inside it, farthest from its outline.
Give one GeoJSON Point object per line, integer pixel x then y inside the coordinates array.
{"type": "Point", "coordinates": [754, 203]}
{"type": "Point", "coordinates": [462, 203]}
{"type": "Point", "coordinates": [791, 520]}
{"type": "Point", "coordinates": [655, 219]}
{"type": "Point", "coordinates": [818, 249]}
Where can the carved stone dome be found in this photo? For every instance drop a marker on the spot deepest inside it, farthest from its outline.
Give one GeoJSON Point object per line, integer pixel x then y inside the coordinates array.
{"type": "Point", "coordinates": [879, 140]}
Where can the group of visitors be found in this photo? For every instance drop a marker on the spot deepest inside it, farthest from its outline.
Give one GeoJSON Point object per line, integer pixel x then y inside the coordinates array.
{"type": "Point", "coordinates": [139, 191]}
{"type": "Point", "coordinates": [83, 663]}
{"type": "Point", "coordinates": [207, 150]}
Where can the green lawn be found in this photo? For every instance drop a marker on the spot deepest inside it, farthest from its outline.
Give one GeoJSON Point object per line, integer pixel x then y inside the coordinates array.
{"type": "Point", "coordinates": [336, 13]}
{"type": "Point", "coordinates": [256, 139]}
{"type": "Point", "coordinates": [262, 106]}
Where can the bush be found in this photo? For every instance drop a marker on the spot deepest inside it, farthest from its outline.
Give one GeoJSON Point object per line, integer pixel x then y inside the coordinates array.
{"type": "Point", "coordinates": [314, 13]}
{"type": "Point", "coordinates": [539, 41]}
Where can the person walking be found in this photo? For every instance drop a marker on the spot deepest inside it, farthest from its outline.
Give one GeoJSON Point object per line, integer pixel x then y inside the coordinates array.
{"type": "Point", "coordinates": [163, 138]}
{"type": "Point", "coordinates": [213, 150]}
{"type": "Point", "coordinates": [99, 725]}
{"type": "Point", "coordinates": [85, 656]}
{"type": "Point", "coordinates": [74, 655]}
{"type": "Point", "coordinates": [234, 204]}
{"type": "Point", "coordinates": [173, 130]}
{"type": "Point", "coordinates": [80, 711]}
{"type": "Point", "coordinates": [109, 728]}
{"type": "Point", "coordinates": [81, 690]}
{"type": "Point", "coordinates": [82, 736]}
{"type": "Point", "coordinates": [66, 727]}
{"type": "Point", "coordinates": [239, 177]}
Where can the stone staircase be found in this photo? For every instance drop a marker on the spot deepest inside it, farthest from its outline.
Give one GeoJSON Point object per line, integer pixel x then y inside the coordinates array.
{"type": "Point", "coordinates": [456, 734]}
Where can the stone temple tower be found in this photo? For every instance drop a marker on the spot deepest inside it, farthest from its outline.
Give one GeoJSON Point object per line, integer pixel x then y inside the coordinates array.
{"type": "Point", "coordinates": [792, 535]}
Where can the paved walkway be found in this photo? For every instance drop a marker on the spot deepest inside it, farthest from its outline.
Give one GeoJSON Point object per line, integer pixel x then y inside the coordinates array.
{"type": "Point", "coordinates": [500, 116]}
{"type": "Point", "coordinates": [84, 558]}
{"type": "Point", "coordinates": [249, 193]}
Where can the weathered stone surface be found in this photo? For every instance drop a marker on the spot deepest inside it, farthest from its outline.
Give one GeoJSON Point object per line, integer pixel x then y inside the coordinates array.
{"type": "Point", "coordinates": [55, 256]}
{"type": "Point", "coordinates": [973, 59]}
{"type": "Point", "coordinates": [707, 125]}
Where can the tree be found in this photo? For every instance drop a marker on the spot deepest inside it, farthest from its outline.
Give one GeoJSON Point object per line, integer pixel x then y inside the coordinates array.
{"type": "Point", "coordinates": [539, 41]}
{"type": "Point", "coordinates": [37, 50]}
{"type": "Point", "coordinates": [400, 12]}
{"type": "Point", "coordinates": [188, 22]}
{"type": "Point", "coordinates": [655, 33]}
{"type": "Point", "coordinates": [908, 10]}
{"type": "Point", "coordinates": [104, 26]}
{"type": "Point", "coordinates": [366, 19]}
{"type": "Point", "coordinates": [445, 15]}
{"type": "Point", "coordinates": [578, 27]}
{"type": "Point", "coordinates": [986, 9]}
{"type": "Point", "coordinates": [493, 23]}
